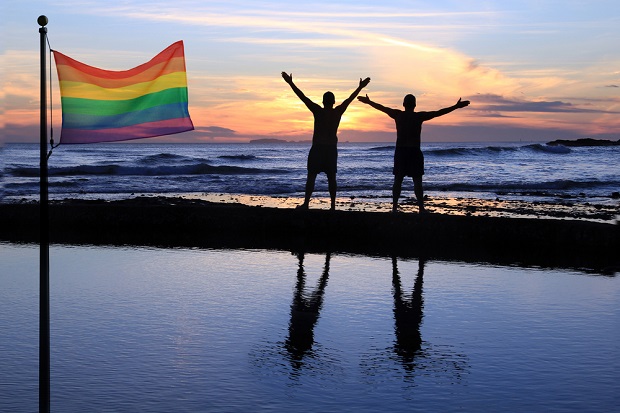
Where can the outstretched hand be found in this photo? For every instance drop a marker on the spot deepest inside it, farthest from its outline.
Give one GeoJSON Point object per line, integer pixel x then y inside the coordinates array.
{"type": "Point", "coordinates": [364, 99]}
{"type": "Point", "coordinates": [287, 78]}
{"type": "Point", "coordinates": [462, 104]}
{"type": "Point", "coordinates": [364, 83]}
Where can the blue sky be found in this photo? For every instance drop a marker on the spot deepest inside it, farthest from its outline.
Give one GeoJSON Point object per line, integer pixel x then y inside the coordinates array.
{"type": "Point", "coordinates": [534, 70]}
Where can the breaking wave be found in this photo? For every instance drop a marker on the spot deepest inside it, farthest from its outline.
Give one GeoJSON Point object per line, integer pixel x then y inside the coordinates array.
{"type": "Point", "coordinates": [238, 157]}
{"type": "Point", "coordinates": [556, 149]}
{"type": "Point", "coordinates": [199, 168]}
{"type": "Point", "coordinates": [382, 148]}
{"type": "Point", "coordinates": [485, 150]}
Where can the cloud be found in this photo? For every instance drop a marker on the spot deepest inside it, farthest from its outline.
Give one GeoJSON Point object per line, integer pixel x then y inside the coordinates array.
{"type": "Point", "coordinates": [491, 114]}
{"type": "Point", "coordinates": [20, 133]}
{"type": "Point", "coordinates": [497, 103]}
{"type": "Point", "coordinates": [236, 49]}
{"type": "Point", "coordinates": [296, 17]}
{"type": "Point", "coordinates": [215, 132]}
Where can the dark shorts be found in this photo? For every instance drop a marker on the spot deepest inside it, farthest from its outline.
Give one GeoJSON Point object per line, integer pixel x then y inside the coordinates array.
{"type": "Point", "coordinates": [322, 158]}
{"type": "Point", "coordinates": [408, 162]}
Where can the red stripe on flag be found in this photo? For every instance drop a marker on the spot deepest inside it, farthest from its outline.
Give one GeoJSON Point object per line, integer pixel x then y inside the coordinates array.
{"type": "Point", "coordinates": [174, 50]}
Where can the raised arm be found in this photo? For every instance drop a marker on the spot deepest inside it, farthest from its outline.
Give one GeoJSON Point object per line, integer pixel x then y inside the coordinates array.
{"type": "Point", "coordinates": [366, 100]}
{"type": "Point", "coordinates": [362, 85]}
{"type": "Point", "coordinates": [289, 79]}
{"type": "Point", "coordinates": [444, 111]}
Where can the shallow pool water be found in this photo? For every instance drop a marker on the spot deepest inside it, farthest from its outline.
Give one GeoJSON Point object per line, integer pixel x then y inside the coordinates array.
{"type": "Point", "coordinates": [191, 330]}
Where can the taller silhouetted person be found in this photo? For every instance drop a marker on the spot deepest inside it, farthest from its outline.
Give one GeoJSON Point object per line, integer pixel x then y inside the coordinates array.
{"type": "Point", "coordinates": [323, 154]}
{"type": "Point", "coordinates": [408, 157]}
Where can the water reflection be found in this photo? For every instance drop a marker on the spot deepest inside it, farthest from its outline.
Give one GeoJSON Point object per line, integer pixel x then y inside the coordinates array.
{"type": "Point", "coordinates": [305, 311]}
{"type": "Point", "coordinates": [408, 314]}
{"type": "Point", "coordinates": [395, 353]}
{"type": "Point", "coordinates": [418, 357]}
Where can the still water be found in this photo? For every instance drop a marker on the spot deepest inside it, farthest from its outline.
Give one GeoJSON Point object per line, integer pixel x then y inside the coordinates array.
{"type": "Point", "coordinates": [190, 330]}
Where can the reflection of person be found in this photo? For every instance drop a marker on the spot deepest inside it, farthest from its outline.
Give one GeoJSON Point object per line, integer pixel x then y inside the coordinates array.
{"type": "Point", "coordinates": [408, 158]}
{"type": "Point", "coordinates": [305, 311]}
{"type": "Point", "coordinates": [323, 153]}
{"type": "Point", "coordinates": [407, 315]}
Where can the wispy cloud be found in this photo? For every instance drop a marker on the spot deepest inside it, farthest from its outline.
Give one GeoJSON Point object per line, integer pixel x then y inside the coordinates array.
{"type": "Point", "coordinates": [215, 132]}
{"type": "Point", "coordinates": [496, 103]}
{"type": "Point", "coordinates": [270, 24]}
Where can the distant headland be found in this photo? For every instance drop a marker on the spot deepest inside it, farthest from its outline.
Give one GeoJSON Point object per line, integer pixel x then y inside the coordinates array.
{"type": "Point", "coordinates": [585, 142]}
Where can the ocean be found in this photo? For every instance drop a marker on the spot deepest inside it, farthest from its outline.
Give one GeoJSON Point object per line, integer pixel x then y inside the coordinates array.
{"type": "Point", "coordinates": [524, 171]}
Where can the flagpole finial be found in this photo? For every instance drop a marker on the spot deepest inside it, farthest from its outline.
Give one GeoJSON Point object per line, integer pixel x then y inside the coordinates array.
{"type": "Point", "coordinates": [42, 20]}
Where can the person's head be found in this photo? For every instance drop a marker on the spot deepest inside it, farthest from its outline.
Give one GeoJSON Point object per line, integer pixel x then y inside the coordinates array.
{"type": "Point", "coordinates": [329, 99]}
{"type": "Point", "coordinates": [409, 102]}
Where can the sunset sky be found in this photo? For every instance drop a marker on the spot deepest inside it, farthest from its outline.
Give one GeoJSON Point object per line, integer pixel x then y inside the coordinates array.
{"type": "Point", "coordinates": [533, 70]}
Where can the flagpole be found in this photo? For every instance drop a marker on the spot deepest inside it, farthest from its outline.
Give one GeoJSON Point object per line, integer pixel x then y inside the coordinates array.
{"type": "Point", "coordinates": [44, 269]}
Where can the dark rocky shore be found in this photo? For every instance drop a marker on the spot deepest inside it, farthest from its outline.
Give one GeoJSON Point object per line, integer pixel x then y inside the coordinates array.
{"type": "Point", "coordinates": [172, 222]}
{"type": "Point", "coordinates": [584, 142]}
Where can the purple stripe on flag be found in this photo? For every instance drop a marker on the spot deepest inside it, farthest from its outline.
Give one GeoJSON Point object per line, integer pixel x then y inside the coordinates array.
{"type": "Point", "coordinates": [143, 130]}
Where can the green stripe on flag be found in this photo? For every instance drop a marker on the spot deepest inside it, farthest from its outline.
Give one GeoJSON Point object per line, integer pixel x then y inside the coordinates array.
{"type": "Point", "coordinates": [79, 106]}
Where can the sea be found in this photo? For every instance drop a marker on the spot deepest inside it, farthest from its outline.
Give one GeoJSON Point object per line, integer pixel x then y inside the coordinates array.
{"type": "Point", "coordinates": [523, 171]}
{"type": "Point", "coordinates": [149, 329]}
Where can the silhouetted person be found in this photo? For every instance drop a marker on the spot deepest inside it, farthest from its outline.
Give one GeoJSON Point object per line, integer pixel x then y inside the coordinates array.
{"type": "Point", "coordinates": [408, 157]}
{"type": "Point", "coordinates": [305, 313]}
{"type": "Point", "coordinates": [407, 315]}
{"type": "Point", "coordinates": [323, 153]}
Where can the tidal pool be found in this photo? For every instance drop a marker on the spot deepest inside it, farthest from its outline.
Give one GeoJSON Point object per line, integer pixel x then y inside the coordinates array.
{"type": "Point", "coordinates": [198, 330]}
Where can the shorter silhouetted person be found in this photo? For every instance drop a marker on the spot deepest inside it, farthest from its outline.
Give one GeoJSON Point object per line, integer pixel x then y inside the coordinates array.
{"type": "Point", "coordinates": [323, 154]}
{"type": "Point", "coordinates": [408, 157]}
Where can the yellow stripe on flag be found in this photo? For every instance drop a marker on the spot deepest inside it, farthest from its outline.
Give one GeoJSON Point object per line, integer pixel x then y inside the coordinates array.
{"type": "Point", "coordinates": [90, 91]}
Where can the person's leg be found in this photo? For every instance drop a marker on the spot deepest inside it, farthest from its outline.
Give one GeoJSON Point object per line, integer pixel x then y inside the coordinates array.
{"type": "Point", "coordinates": [331, 182]}
{"type": "Point", "coordinates": [419, 192]}
{"type": "Point", "coordinates": [309, 189]}
{"type": "Point", "coordinates": [398, 183]}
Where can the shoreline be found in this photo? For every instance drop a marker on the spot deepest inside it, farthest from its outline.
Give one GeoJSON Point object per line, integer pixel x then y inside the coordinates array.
{"type": "Point", "coordinates": [485, 237]}
{"type": "Point", "coordinates": [602, 210]}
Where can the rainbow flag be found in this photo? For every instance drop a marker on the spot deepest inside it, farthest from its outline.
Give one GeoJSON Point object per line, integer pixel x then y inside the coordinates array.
{"type": "Point", "coordinates": [107, 106]}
